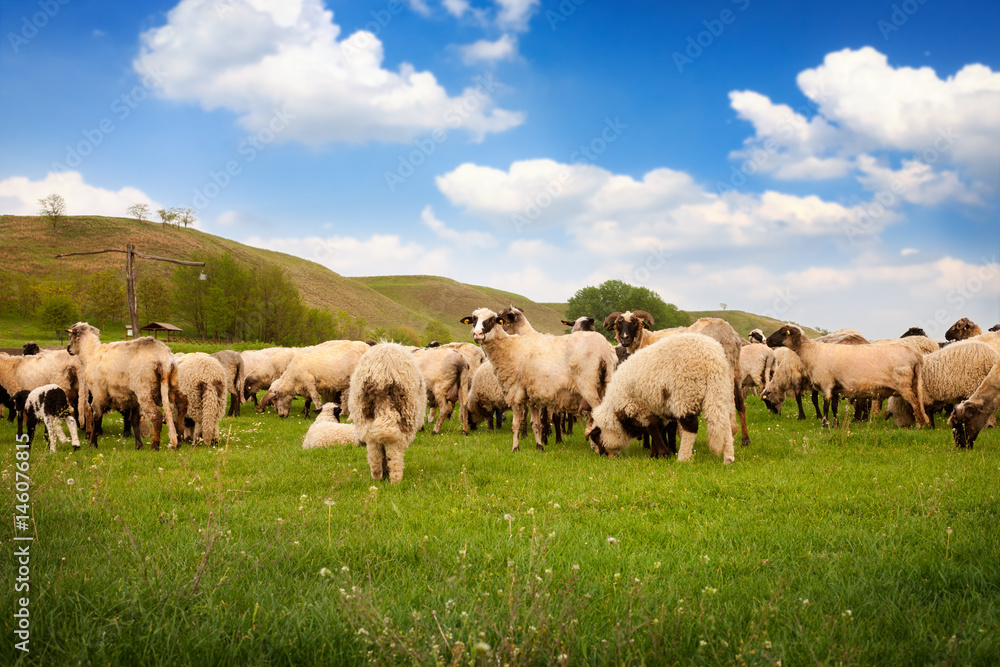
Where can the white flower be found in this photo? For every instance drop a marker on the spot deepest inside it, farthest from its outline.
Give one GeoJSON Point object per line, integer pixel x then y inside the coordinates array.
{"type": "Point", "coordinates": [656, 565]}
{"type": "Point", "coordinates": [555, 507]}
{"type": "Point", "coordinates": [482, 647]}
{"type": "Point", "coordinates": [531, 510]}
{"type": "Point", "coordinates": [575, 566]}
{"type": "Point", "coordinates": [372, 488]}
{"type": "Point", "coordinates": [323, 572]}
{"type": "Point", "coordinates": [705, 558]}
{"type": "Point", "coordinates": [508, 517]}
{"type": "Point", "coordinates": [330, 502]}
{"type": "Point", "coordinates": [612, 541]}
{"type": "Point", "coordinates": [702, 643]}
{"type": "Point", "coordinates": [345, 569]}
{"type": "Point", "coordinates": [767, 644]}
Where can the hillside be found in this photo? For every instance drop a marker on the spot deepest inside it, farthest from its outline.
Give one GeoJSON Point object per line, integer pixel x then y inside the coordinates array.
{"type": "Point", "coordinates": [745, 322]}
{"type": "Point", "coordinates": [28, 243]}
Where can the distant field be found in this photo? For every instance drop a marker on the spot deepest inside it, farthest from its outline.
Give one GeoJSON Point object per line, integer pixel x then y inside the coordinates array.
{"type": "Point", "coordinates": [867, 545]}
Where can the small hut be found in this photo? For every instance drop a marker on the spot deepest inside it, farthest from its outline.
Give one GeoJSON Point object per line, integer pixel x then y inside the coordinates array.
{"type": "Point", "coordinates": [157, 327]}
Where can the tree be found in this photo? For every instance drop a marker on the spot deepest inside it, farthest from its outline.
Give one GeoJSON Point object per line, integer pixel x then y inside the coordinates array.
{"type": "Point", "coordinates": [723, 305]}
{"type": "Point", "coordinates": [185, 216]}
{"type": "Point", "coordinates": [192, 293]}
{"type": "Point", "coordinates": [615, 295]}
{"type": "Point", "coordinates": [58, 313]}
{"type": "Point", "coordinates": [52, 207]}
{"type": "Point", "coordinates": [230, 298]}
{"type": "Point", "coordinates": [105, 297]}
{"type": "Point", "coordinates": [436, 330]}
{"type": "Point", "coordinates": [167, 215]}
{"type": "Point", "coordinates": [405, 335]}
{"type": "Point", "coordinates": [154, 299]}
{"type": "Point", "coordinates": [139, 211]}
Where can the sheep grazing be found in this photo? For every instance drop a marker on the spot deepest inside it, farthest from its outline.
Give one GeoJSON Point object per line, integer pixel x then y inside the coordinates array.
{"type": "Point", "coordinates": [47, 404]}
{"type": "Point", "coordinates": [677, 379]}
{"type": "Point", "coordinates": [789, 376]}
{"type": "Point", "coordinates": [950, 375]}
{"type": "Point", "coordinates": [136, 373]}
{"type": "Point", "coordinates": [972, 415]}
{"type": "Point", "coordinates": [232, 362]}
{"type": "Point", "coordinates": [24, 373]}
{"type": "Point", "coordinates": [327, 431]}
{"type": "Point", "coordinates": [388, 401]}
{"type": "Point", "coordinates": [30, 348]}
{"type": "Point", "coordinates": [265, 371]}
{"type": "Point", "coordinates": [868, 371]}
{"type": "Point", "coordinates": [582, 323]}
{"type": "Point", "coordinates": [537, 372]}
{"type": "Point", "coordinates": [448, 381]}
{"type": "Point", "coordinates": [486, 398]}
{"type": "Point", "coordinates": [202, 379]}
{"type": "Point", "coordinates": [320, 374]}
{"type": "Point", "coordinates": [252, 359]}
{"type": "Point", "coordinates": [757, 365]}
{"type": "Point", "coordinates": [964, 328]}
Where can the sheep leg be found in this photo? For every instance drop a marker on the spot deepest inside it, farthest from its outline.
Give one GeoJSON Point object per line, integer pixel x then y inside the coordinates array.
{"type": "Point", "coordinates": [741, 410]}
{"type": "Point", "coordinates": [826, 412]}
{"type": "Point", "coordinates": [557, 422]}
{"type": "Point", "coordinates": [376, 460]}
{"type": "Point", "coordinates": [671, 431]}
{"type": "Point", "coordinates": [30, 426]}
{"type": "Point", "coordinates": [489, 419]}
{"type": "Point", "coordinates": [518, 416]}
{"type": "Point", "coordinates": [687, 442]}
{"type": "Point", "coordinates": [393, 462]}
{"type": "Point", "coordinates": [538, 422]}
{"type": "Point", "coordinates": [655, 433]}
{"type": "Point", "coordinates": [20, 424]}
{"type": "Point", "coordinates": [53, 431]}
{"type": "Point", "coordinates": [798, 401]}
{"type": "Point", "coordinates": [127, 422]}
{"type": "Point", "coordinates": [96, 416]}
{"type": "Point", "coordinates": [73, 428]}
{"type": "Point", "coordinates": [132, 421]}
{"type": "Point", "coordinates": [501, 416]}
{"type": "Point", "coordinates": [306, 408]}
{"type": "Point", "coordinates": [442, 402]}
{"type": "Point", "coordinates": [155, 420]}
{"type": "Point", "coordinates": [646, 443]}
{"type": "Point", "coordinates": [815, 399]}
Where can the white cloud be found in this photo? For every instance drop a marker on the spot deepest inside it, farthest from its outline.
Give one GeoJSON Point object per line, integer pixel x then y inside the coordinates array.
{"type": "Point", "coordinates": [515, 14]}
{"type": "Point", "coordinates": [19, 196]}
{"type": "Point", "coordinates": [420, 7]}
{"type": "Point", "coordinates": [259, 57]}
{"type": "Point", "coordinates": [379, 254]}
{"type": "Point", "coordinates": [464, 239]}
{"type": "Point", "coordinates": [916, 182]}
{"type": "Point", "coordinates": [504, 48]}
{"type": "Point", "coordinates": [906, 252]}
{"type": "Point", "coordinates": [862, 105]}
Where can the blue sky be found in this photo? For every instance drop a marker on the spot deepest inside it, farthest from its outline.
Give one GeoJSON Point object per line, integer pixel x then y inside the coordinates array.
{"type": "Point", "coordinates": [835, 164]}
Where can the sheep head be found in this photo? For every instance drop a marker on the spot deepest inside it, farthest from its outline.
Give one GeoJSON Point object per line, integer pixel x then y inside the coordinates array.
{"type": "Point", "coordinates": [512, 320]}
{"type": "Point", "coordinates": [82, 335]}
{"type": "Point", "coordinates": [914, 331]}
{"type": "Point", "coordinates": [964, 328]}
{"type": "Point", "coordinates": [581, 324]}
{"type": "Point", "coordinates": [756, 336]}
{"type": "Point", "coordinates": [483, 322]}
{"type": "Point", "coordinates": [628, 326]}
{"type": "Point", "coordinates": [967, 420]}
{"type": "Point", "coordinates": [788, 335]}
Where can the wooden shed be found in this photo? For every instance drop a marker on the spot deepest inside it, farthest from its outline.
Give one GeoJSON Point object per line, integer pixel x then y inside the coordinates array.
{"type": "Point", "coordinates": [157, 327]}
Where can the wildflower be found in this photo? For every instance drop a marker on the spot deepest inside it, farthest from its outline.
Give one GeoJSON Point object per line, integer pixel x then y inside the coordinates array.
{"type": "Point", "coordinates": [531, 510]}
{"type": "Point", "coordinates": [373, 488]}
{"type": "Point", "coordinates": [330, 502]}
{"type": "Point", "coordinates": [345, 569]}
{"type": "Point", "coordinates": [556, 506]}
{"type": "Point", "coordinates": [702, 643]}
{"type": "Point", "coordinates": [323, 572]}
{"type": "Point", "coordinates": [656, 565]}
{"type": "Point", "coordinates": [767, 644]}
{"type": "Point", "coordinates": [70, 481]}
{"type": "Point", "coordinates": [575, 566]}
{"type": "Point", "coordinates": [612, 541]}
{"type": "Point", "coordinates": [508, 517]}
{"type": "Point", "coordinates": [705, 558]}
{"type": "Point", "coordinates": [482, 647]}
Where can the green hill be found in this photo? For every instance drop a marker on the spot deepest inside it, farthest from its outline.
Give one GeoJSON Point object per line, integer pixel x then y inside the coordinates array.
{"type": "Point", "coordinates": [744, 322]}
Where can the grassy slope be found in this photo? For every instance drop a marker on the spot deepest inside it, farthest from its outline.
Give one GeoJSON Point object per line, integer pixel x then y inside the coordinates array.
{"type": "Point", "coordinates": [745, 322]}
{"type": "Point", "coordinates": [877, 547]}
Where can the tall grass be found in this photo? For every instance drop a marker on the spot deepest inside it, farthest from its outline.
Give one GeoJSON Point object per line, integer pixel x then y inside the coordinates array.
{"type": "Point", "coordinates": [858, 545]}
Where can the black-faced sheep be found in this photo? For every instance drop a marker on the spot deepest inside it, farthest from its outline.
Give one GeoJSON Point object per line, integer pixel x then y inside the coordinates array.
{"type": "Point", "coordinates": [973, 414]}
{"type": "Point", "coordinates": [388, 402]}
{"type": "Point", "coordinates": [202, 379]}
{"type": "Point", "coordinates": [47, 404]}
{"type": "Point", "coordinates": [677, 379]}
{"type": "Point", "coordinates": [138, 373]}
{"type": "Point", "coordinates": [30, 348]}
{"type": "Point", "coordinates": [232, 362]}
{"type": "Point", "coordinates": [582, 323]}
{"type": "Point", "coordinates": [327, 431]}
{"type": "Point", "coordinates": [560, 373]}
{"type": "Point", "coordinates": [866, 371]}
{"type": "Point", "coordinates": [964, 328]}
{"type": "Point", "coordinates": [914, 331]}
{"type": "Point", "coordinates": [950, 375]}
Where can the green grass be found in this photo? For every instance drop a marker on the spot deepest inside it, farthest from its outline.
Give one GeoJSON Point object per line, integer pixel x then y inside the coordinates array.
{"type": "Point", "coordinates": [814, 547]}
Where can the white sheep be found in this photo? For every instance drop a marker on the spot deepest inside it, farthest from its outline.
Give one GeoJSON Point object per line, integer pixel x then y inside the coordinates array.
{"type": "Point", "coordinates": [582, 323]}
{"type": "Point", "coordinates": [20, 373]}
{"type": "Point", "coordinates": [47, 404]}
{"type": "Point", "coordinates": [448, 380]}
{"type": "Point", "coordinates": [327, 431]}
{"type": "Point", "coordinates": [973, 414]}
{"type": "Point", "coordinates": [677, 379]}
{"type": "Point", "coordinates": [202, 379]}
{"type": "Point", "coordinates": [757, 365]}
{"type": "Point", "coordinates": [388, 400]}
{"type": "Point", "coordinates": [950, 375]}
{"type": "Point", "coordinates": [232, 362]}
{"type": "Point", "coordinates": [486, 398]}
{"type": "Point", "coordinates": [320, 374]}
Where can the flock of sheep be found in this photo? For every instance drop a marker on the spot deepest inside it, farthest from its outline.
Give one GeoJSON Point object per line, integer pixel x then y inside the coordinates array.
{"type": "Point", "coordinates": [648, 386]}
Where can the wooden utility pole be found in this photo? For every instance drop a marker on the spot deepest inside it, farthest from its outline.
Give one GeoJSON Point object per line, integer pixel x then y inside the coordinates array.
{"type": "Point", "coordinates": [130, 255]}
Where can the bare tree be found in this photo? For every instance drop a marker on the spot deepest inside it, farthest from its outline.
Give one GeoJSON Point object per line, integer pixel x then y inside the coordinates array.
{"type": "Point", "coordinates": [139, 211]}
{"type": "Point", "coordinates": [185, 216]}
{"type": "Point", "coordinates": [52, 207]}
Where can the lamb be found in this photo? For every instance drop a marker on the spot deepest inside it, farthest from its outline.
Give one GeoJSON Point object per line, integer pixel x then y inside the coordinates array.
{"type": "Point", "coordinates": [47, 404]}
{"type": "Point", "coordinates": [972, 415]}
{"type": "Point", "coordinates": [950, 375]}
{"type": "Point", "coordinates": [536, 372]}
{"type": "Point", "coordinates": [677, 379]}
{"type": "Point", "coordinates": [486, 398]}
{"type": "Point", "coordinates": [870, 371]}
{"type": "Point", "coordinates": [136, 373]}
{"type": "Point", "coordinates": [320, 373]}
{"type": "Point", "coordinates": [447, 378]}
{"type": "Point", "coordinates": [964, 328]}
{"type": "Point", "coordinates": [757, 365]}
{"type": "Point", "coordinates": [388, 401]}
{"type": "Point", "coordinates": [232, 362]}
{"type": "Point", "coordinates": [582, 323]}
{"type": "Point", "coordinates": [19, 373]}
{"type": "Point", "coordinates": [327, 431]}
{"type": "Point", "coordinates": [202, 380]}
{"type": "Point", "coordinates": [631, 332]}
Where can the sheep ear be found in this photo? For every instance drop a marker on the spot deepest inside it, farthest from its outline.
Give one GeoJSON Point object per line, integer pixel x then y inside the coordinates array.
{"type": "Point", "coordinates": [568, 323]}
{"type": "Point", "coordinates": [610, 320]}
{"type": "Point", "coordinates": [468, 320]}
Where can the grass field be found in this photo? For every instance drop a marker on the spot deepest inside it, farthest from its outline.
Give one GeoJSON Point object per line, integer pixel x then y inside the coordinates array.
{"type": "Point", "coordinates": [860, 545]}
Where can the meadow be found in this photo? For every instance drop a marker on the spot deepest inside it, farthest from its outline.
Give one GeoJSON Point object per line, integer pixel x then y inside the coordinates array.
{"type": "Point", "coordinates": [863, 544]}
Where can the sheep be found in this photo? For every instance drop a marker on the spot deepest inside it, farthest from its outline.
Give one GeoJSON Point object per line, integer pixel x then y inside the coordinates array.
{"type": "Point", "coordinates": [991, 338]}
{"type": "Point", "coordinates": [950, 376]}
{"type": "Point", "coordinates": [541, 371]}
{"type": "Point", "coordinates": [232, 362]}
{"type": "Point", "coordinates": [319, 373]}
{"type": "Point", "coordinates": [995, 327]}
{"type": "Point", "coordinates": [789, 376]}
{"type": "Point", "coordinates": [266, 371]}
{"type": "Point", "coordinates": [962, 329]}
{"type": "Point", "coordinates": [582, 323]}
{"type": "Point", "coordinates": [202, 380]}
{"type": "Point", "coordinates": [756, 336]}
{"type": "Point", "coordinates": [914, 331]}
{"type": "Point", "coordinates": [475, 357]}
{"type": "Point", "coordinates": [844, 337]}
{"type": "Point", "coordinates": [631, 332]}
{"type": "Point", "coordinates": [972, 415]}
{"type": "Point", "coordinates": [486, 398]}
{"type": "Point", "coordinates": [252, 359]}
{"type": "Point", "coordinates": [30, 348]}
{"type": "Point", "coordinates": [757, 365]}
{"type": "Point", "coordinates": [919, 344]}
{"type": "Point", "coordinates": [388, 401]}
{"type": "Point", "coordinates": [47, 404]}
{"type": "Point", "coordinates": [18, 373]}
{"type": "Point", "coordinates": [447, 378]}
{"type": "Point", "coordinates": [136, 373]}
{"type": "Point", "coordinates": [327, 431]}
{"type": "Point", "coordinates": [856, 370]}
{"type": "Point", "coordinates": [677, 379]}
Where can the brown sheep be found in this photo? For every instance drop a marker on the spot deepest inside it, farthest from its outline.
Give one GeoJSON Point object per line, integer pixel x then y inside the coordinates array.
{"type": "Point", "coordinates": [964, 328]}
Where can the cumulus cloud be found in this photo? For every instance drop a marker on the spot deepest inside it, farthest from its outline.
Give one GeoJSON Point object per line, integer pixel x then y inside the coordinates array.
{"type": "Point", "coordinates": [514, 14]}
{"type": "Point", "coordinates": [860, 104]}
{"type": "Point", "coordinates": [257, 58]}
{"type": "Point", "coordinates": [465, 239]}
{"type": "Point", "coordinates": [379, 254]}
{"type": "Point", "coordinates": [504, 48]}
{"type": "Point", "coordinates": [19, 195]}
